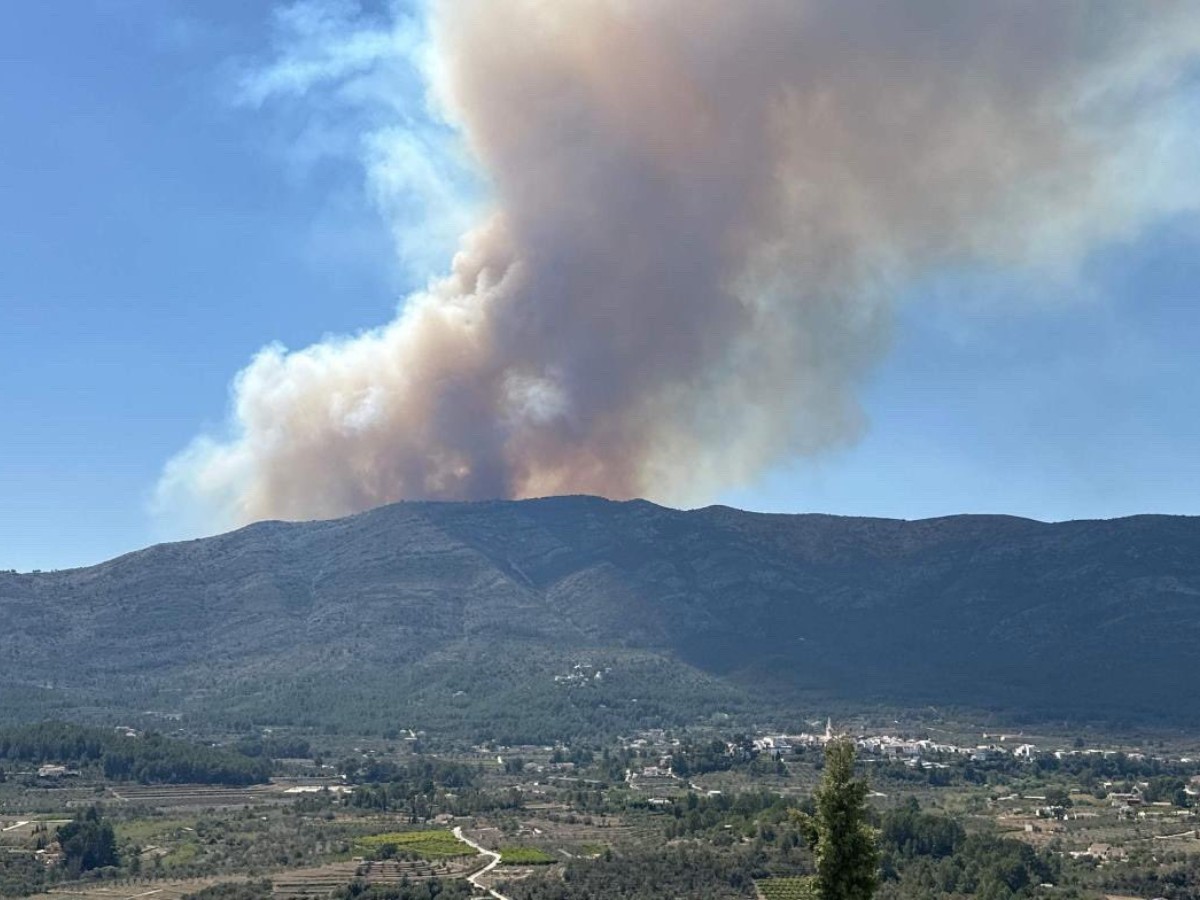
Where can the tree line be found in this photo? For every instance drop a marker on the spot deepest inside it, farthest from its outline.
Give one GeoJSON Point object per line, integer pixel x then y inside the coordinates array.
{"type": "Point", "coordinates": [148, 758]}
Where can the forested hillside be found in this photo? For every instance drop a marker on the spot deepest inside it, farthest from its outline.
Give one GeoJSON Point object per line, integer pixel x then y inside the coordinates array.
{"type": "Point", "coordinates": [568, 615]}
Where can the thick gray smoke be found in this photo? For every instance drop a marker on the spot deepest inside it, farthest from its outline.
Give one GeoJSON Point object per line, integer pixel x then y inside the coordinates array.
{"type": "Point", "coordinates": [700, 211]}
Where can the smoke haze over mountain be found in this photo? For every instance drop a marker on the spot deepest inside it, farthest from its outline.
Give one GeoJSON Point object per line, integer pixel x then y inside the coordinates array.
{"type": "Point", "coordinates": [695, 219]}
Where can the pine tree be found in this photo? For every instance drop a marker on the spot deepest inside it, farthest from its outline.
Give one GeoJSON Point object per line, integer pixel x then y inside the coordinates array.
{"type": "Point", "coordinates": [88, 842]}
{"type": "Point", "coordinates": [842, 838]}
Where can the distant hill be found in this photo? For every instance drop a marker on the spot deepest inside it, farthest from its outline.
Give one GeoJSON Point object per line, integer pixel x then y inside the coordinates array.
{"type": "Point", "coordinates": [569, 615]}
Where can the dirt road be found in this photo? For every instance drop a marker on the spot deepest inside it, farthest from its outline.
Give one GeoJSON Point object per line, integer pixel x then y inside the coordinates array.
{"type": "Point", "coordinates": [495, 861]}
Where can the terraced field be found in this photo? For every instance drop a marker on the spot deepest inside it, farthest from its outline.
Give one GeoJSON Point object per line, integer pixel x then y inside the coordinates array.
{"type": "Point", "coordinates": [134, 890]}
{"type": "Point", "coordinates": [319, 882]}
{"type": "Point", "coordinates": [786, 889]}
{"type": "Point", "coordinates": [312, 882]}
{"type": "Point", "coordinates": [196, 795]}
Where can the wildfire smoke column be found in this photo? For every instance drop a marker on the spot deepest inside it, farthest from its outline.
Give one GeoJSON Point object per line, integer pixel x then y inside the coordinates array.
{"type": "Point", "coordinates": [699, 215]}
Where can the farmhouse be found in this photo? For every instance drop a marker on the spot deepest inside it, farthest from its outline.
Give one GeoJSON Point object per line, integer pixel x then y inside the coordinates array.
{"type": "Point", "coordinates": [1132, 798]}
{"type": "Point", "coordinates": [1105, 851]}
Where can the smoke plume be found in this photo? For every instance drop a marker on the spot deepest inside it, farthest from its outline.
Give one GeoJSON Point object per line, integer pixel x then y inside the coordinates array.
{"type": "Point", "coordinates": [696, 215]}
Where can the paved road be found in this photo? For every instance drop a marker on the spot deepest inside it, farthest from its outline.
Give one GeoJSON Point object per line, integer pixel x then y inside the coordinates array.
{"type": "Point", "coordinates": [495, 861]}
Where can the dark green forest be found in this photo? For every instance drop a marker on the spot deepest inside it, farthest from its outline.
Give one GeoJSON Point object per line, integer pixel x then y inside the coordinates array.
{"type": "Point", "coordinates": [147, 758]}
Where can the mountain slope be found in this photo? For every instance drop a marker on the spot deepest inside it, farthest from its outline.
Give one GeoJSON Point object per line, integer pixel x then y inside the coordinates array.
{"type": "Point", "coordinates": [459, 617]}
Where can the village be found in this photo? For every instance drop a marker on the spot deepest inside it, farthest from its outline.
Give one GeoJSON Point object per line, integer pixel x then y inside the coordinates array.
{"type": "Point", "coordinates": [1103, 810]}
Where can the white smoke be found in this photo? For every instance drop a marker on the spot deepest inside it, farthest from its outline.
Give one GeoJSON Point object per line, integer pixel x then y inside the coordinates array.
{"type": "Point", "coordinates": [697, 213]}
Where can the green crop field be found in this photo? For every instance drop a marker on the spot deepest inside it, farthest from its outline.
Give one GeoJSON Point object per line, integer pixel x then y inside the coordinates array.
{"type": "Point", "coordinates": [525, 856]}
{"type": "Point", "coordinates": [427, 844]}
{"type": "Point", "coordinates": [787, 889]}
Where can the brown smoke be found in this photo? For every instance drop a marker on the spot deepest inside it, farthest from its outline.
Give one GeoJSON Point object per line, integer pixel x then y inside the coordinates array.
{"type": "Point", "coordinates": [700, 212]}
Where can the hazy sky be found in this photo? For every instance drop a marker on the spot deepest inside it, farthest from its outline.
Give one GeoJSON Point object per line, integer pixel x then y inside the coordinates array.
{"type": "Point", "coordinates": [157, 230]}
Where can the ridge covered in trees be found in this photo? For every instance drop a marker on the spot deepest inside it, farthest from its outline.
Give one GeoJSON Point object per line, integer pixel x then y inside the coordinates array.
{"type": "Point", "coordinates": [537, 621]}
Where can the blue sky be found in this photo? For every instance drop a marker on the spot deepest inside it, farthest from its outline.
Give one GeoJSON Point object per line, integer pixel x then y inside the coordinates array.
{"type": "Point", "coordinates": [154, 235]}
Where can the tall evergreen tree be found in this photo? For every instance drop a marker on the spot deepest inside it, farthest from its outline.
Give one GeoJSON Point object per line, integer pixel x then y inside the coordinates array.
{"type": "Point", "coordinates": [88, 842]}
{"type": "Point", "coordinates": [842, 838]}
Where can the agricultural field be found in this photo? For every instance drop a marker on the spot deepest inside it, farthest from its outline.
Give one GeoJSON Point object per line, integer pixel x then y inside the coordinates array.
{"type": "Point", "coordinates": [525, 856]}
{"type": "Point", "coordinates": [323, 880]}
{"type": "Point", "coordinates": [127, 889]}
{"type": "Point", "coordinates": [786, 889]}
{"type": "Point", "coordinates": [423, 844]}
{"type": "Point", "coordinates": [201, 796]}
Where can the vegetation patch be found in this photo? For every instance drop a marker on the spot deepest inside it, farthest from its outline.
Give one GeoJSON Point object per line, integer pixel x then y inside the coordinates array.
{"type": "Point", "coordinates": [254, 890]}
{"type": "Point", "coordinates": [787, 888]}
{"type": "Point", "coordinates": [525, 856]}
{"type": "Point", "coordinates": [148, 758]}
{"type": "Point", "coordinates": [184, 854]}
{"type": "Point", "coordinates": [152, 830]}
{"type": "Point", "coordinates": [431, 889]}
{"type": "Point", "coordinates": [425, 844]}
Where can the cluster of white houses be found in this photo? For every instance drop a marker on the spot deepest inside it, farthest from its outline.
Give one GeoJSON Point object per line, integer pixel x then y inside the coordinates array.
{"type": "Point", "coordinates": [891, 747]}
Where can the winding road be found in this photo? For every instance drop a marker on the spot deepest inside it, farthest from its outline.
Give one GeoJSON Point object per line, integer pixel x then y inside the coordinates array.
{"type": "Point", "coordinates": [495, 861]}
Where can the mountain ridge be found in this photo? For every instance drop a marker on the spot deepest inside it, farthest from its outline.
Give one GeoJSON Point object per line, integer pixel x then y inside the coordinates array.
{"type": "Point", "coordinates": [715, 608]}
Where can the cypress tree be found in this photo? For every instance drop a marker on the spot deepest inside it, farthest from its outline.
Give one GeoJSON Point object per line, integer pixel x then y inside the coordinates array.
{"type": "Point", "coordinates": [842, 838]}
